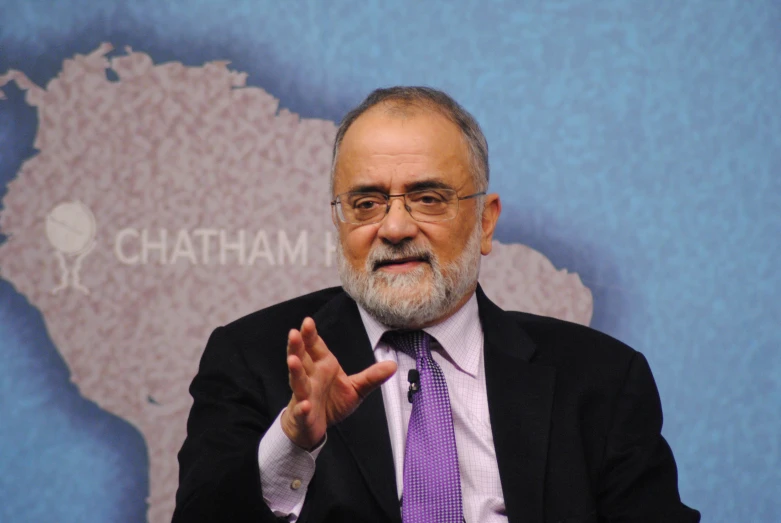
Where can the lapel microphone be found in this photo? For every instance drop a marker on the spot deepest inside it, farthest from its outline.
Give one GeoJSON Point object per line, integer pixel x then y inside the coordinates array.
{"type": "Point", "coordinates": [413, 376]}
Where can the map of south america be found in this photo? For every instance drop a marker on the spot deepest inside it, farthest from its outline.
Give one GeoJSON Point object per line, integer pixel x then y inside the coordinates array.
{"type": "Point", "coordinates": [166, 200]}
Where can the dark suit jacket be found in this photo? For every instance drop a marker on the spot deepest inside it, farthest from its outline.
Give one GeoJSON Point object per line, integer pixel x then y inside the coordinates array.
{"type": "Point", "coordinates": [575, 415]}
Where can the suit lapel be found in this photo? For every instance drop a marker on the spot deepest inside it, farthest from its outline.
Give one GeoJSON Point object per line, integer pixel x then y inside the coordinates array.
{"type": "Point", "coordinates": [520, 399]}
{"type": "Point", "coordinates": [365, 431]}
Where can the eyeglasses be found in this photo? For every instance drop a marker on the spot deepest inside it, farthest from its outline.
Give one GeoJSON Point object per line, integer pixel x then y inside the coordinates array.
{"type": "Point", "coordinates": [425, 205]}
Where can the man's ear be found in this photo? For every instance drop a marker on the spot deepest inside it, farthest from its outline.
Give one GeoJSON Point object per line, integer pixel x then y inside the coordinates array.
{"type": "Point", "coordinates": [491, 212]}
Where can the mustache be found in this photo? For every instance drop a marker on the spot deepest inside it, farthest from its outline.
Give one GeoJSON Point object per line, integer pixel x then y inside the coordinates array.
{"type": "Point", "coordinates": [386, 253]}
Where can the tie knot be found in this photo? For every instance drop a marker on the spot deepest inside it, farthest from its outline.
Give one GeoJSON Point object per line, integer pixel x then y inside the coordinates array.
{"type": "Point", "coordinates": [413, 343]}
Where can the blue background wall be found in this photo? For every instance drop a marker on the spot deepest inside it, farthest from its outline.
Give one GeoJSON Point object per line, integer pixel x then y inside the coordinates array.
{"type": "Point", "coordinates": [637, 143]}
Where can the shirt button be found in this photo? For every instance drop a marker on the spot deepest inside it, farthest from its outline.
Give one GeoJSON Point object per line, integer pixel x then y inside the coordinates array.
{"type": "Point", "coordinates": [296, 484]}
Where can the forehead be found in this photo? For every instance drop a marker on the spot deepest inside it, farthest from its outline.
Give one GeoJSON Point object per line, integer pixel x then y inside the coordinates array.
{"type": "Point", "coordinates": [393, 149]}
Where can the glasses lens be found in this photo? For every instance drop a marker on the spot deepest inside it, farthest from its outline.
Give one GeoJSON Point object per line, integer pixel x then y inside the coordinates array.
{"type": "Point", "coordinates": [363, 207]}
{"type": "Point", "coordinates": [433, 204]}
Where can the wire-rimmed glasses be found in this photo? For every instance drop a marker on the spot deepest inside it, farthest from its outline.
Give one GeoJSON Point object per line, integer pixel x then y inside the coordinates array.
{"type": "Point", "coordinates": [424, 205]}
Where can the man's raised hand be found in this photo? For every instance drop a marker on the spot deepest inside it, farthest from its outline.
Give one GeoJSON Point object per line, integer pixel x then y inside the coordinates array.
{"type": "Point", "coordinates": [322, 393]}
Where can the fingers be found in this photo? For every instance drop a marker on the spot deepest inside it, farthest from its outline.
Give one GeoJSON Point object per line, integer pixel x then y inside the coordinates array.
{"type": "Point", "coordinates": [314, 345]}
{"type": "Point", "coordinates": [301, 345]}
{"type": "Point", "coordinates": [306, 344]}
{"type": "Point", "coordinates": [297, 347]}
{"type": "Point", "coordinates": [369, 379]}
{"type": "Point", "coordinates": [299, 380]}
{"type": "Point", "coordinates": [309, 331]}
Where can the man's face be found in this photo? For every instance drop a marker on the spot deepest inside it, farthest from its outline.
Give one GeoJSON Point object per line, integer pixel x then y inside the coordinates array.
{"type": "Point", "coordinates": [409, 273]}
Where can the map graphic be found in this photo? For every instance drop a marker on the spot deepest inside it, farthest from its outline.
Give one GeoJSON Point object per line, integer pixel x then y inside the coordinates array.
{"type": "Point", "coordinates": [166, 200]}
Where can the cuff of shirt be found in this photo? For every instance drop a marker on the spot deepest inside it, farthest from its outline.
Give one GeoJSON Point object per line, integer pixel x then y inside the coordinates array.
{"type": "Point", "coordinates": [285, 471]}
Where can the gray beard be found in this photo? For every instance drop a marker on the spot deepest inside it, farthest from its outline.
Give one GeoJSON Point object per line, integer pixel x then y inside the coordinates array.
{"type": "Point", "coordinates": [415, 298]}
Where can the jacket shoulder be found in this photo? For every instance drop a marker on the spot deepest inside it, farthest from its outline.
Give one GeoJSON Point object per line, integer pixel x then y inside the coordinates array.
{"type": "Point", "coordinates": [282, 316]}
{"type": "Point", "coordinates": [565, 342]}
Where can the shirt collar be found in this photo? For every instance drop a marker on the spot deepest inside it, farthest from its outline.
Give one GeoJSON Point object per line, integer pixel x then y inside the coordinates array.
{"type": "Point", "coordinates": [461, 335]}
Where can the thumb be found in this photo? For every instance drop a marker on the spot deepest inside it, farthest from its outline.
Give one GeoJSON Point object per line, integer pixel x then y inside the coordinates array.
{"type": "Point", "coordinates": [369, 379]}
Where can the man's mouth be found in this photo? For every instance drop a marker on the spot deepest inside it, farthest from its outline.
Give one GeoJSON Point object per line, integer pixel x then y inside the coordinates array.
{"type": "Point", "coordinates": [401, 263]}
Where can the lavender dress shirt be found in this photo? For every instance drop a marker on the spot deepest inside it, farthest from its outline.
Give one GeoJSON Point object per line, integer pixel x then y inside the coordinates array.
{"type": "Point", "coordinates": [286, 470]}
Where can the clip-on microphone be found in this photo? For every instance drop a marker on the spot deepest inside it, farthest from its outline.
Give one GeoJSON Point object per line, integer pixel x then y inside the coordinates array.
{"type": "Point", "coordinates": [413, 376]}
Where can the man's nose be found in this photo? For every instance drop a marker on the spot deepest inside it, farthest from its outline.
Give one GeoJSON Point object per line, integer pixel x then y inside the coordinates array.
{"type": "Point", "coordinates": [397, 225]}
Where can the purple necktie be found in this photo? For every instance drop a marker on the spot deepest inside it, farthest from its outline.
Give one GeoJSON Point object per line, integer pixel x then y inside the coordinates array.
{"type": "Point", "coordinates": [432, 484]}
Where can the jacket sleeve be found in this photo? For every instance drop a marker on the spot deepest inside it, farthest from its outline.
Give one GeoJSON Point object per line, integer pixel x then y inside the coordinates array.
{"type": "Point", "coordinates": [219, 478]}
{"type": "Point", "coordinates": [639, 481]}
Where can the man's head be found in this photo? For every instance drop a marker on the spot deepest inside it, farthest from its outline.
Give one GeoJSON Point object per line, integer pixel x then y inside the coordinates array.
{"type": "Point", "coordinates": [411, 271]}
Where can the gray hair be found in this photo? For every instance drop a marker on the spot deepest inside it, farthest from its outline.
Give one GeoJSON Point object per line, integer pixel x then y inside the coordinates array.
{"type": "Point", "coordinates": [425, 97]}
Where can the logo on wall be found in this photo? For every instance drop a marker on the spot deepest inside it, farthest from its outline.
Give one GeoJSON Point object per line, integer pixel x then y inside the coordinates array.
{"type": "Point", "coordinates": [212, 202]}
{"type": "Point", "coordinates": [70, 228]}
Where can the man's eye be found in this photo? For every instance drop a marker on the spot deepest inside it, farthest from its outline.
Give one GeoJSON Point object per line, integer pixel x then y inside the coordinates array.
{"type": "Point", "coordinates": [365, 205]}
{"type": "Point", "coordinates": [429, 198]}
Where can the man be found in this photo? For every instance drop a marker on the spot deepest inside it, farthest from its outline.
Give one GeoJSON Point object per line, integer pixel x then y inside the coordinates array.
{"type": "Point", "coordinates": [484, 415]}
